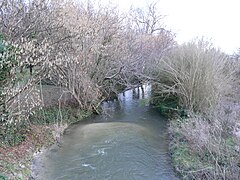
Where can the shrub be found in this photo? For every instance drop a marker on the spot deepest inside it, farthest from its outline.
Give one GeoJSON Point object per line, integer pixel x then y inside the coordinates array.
{"type": "Point", "coordinates": [19, 96]}
{"type": "Point", "coordinates": [196, 73]}
{"type": "Point", "coordinates": [198, 79]}
{"type": "Point", "coordinates": [7, 62]}
{"type": "Point", "coordinates": [206, 147]}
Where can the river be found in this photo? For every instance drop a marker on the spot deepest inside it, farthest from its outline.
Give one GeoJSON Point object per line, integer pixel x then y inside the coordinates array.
{"type": "Point", "coordinates": [129, 141]}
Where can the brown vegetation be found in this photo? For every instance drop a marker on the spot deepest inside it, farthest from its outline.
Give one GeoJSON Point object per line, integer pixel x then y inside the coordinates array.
{"type": "Point", "coordinates": [15, 161]}
{"type": "Point", "coordinates": [203, 82]}
{"type": "Point", "coordinates": [92, 52]}
{"type": "Point", "coordinates": [89, 52]}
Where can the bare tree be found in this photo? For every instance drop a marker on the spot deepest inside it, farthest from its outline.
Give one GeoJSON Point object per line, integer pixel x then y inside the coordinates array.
{"type": "Point", "coordinates": [147, 21]}
{"type": "Point", "coordinates": [152, 41]}
{"type": "Point", "coordinates": [89, 51]}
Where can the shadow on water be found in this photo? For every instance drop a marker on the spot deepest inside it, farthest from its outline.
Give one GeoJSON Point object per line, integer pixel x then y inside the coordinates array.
{"type": "Point", "coordinates": [129, 141]}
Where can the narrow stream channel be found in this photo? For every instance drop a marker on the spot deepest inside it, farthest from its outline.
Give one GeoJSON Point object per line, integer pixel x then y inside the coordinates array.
{"type": "Point", "coordinates": [128, 142]}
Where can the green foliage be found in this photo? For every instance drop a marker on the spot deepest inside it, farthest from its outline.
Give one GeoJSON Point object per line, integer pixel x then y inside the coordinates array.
{"type": "Point", "coordinates": [203, 151]}
{"type": "Point", "coordinates": [11, 134]}
{"type": "Point", "coordinates": [2, 177]}
{"type": "Point", "coordinates": [12, 80]}
{"type": "Point", "coordinates": [168, 106]}
{"type": "Point", "coordinates": [186, 162]}
{"type": "Point", "coordinates": [7, 61]}
{"type": "Point", "coordinates": [144, 102]}
{"type": "Point", "coordinates": [53, 115]}
{"type": "Point", "coordinates": [20, 170]}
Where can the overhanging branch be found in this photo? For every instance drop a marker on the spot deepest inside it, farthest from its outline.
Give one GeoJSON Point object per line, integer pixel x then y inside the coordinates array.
{"type": "Point", "coordinates": [114, 75]}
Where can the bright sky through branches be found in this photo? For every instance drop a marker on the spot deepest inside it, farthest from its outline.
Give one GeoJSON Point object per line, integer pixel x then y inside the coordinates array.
{"type": "Point", "coordinates": [217, 20]}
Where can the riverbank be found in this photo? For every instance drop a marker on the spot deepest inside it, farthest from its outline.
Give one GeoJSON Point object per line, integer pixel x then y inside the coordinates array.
{"type": "Point", "coordinates": [208, 146]}
{"type": "Point", "coordinates": [15, 161]}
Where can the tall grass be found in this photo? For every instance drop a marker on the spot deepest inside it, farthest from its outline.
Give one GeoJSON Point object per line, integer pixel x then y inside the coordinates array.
{"type": "Point", "coordinates": [198, 74]}
{"type": "Point", "coordinates": [206, 147]}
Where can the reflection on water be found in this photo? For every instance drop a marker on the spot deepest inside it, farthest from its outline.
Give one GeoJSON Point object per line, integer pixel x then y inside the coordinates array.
{"type": "Point", "coordinates": [128, 142]}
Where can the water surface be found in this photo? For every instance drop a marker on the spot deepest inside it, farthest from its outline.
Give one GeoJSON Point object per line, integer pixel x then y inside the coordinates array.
{"type": "Point", "coordinates": [128, 142]}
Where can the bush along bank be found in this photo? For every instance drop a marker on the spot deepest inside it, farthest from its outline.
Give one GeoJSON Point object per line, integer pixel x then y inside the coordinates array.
{"type": "Point", "coordinates": [205, 147]}
{"type": "Point", "coordinates": [195, 89]}
{"type": "Point", "coordinates": [45, 129]}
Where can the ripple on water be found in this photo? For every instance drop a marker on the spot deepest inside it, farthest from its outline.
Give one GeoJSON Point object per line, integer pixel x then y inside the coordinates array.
{"type": "Point", "coordinates": [130, 144]}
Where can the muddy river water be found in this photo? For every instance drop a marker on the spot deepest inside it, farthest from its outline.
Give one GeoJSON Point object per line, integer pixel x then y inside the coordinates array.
{"type": "Point", "coordinates": [129, 141]}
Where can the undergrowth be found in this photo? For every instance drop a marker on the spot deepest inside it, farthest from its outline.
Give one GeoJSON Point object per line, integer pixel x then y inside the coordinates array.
{"type": "Point", "coordinates": [54, 115]}
{"type": "Point", "coordinates": [205, 148]}
{"type": "Point", "coordinates": [46, 127]}
{"type": "Point", "coordinates": [194, 88]}
{"type": "Point", "coordinates": [195, 75]}
{"type": "Point", "coordinates": [13, 135]}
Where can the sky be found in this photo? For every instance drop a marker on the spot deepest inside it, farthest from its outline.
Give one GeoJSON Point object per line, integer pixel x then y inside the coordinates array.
{"type": "Point", "coordinates": [217, 20]}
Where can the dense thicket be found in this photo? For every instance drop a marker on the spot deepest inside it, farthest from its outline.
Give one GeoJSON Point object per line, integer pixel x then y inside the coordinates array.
{"type": "Point", "coordinates": [90, 51]}
{"type": "Point", "coordinates": [200, 84]}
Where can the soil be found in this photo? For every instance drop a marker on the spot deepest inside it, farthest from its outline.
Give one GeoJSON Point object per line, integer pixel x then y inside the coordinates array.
{"type": "Point", "coordinates": [15, 161]}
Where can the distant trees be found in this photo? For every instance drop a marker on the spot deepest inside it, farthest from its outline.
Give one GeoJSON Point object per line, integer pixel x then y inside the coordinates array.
{"type": "Point", "coordinates": [152, 41]}
{"type": "Point", "coordinates": [147, 21]}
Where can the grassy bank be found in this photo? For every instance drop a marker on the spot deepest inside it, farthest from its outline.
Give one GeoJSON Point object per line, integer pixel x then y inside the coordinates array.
{"type": "Point", "coordinates": [198, 85]}
{"type": "Point", "coordinates": [47, 126]}
{"type": "Point", "coordinates": [205, 147]}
